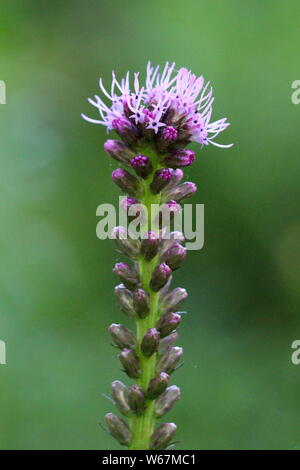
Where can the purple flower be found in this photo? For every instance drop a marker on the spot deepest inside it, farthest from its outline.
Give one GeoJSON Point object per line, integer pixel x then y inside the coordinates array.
{"type": "Point", "coordinates": [180, 158]}
{"type": "Point", "coordinates": [149, 245]}
{"type": "Point", "coordinates": [127, 202]}
{"type": "Point", "coordinates": [170, 133]}
{"type": "Point", "coordinates": [142, 165]}
{"type": "Point", "coordinates": [155, 122]}
{"type": "Point", "coordinates": [118, 150]}
{"type": "Point", "coordinates": [127, 182]}
{"type": "Point", "coordinates": [160, 180]}
{"type": "Point", "coordinates": [170, 104]}
{"type": "Point", "coordinates": [122, 125]}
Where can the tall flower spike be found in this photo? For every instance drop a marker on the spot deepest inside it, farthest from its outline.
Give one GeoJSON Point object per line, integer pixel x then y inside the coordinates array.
{"type": "Point", "coordinates": [155, 121]}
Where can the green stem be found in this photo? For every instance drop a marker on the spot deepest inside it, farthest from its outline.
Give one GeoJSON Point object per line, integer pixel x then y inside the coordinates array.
{"type": "Point", "coordinates": [142, 426]}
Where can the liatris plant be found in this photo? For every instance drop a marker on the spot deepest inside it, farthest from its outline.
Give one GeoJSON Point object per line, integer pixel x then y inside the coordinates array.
{"type": "Point", "coordinates": [155, 122]}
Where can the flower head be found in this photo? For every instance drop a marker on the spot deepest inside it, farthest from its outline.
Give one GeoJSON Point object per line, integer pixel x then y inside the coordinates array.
{"type": "Point", "coordinates": [173, 105]}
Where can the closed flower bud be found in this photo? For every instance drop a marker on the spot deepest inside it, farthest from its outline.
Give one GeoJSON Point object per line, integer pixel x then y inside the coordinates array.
{"type": "Point", "coordinates": [126, 129]}
{"type": "Point", "coordinates": [171, 301]}
{"type": "Point", "coordinates": [125, 300]}
{"type": "Point", "coordinates": [180, 192]}
{"type": "Point", "coordinates": [171, 239]}
{"type": "Point", "coordinates": [167, 342]}
{"type": "Point", "coordinates": [127, 275]}
{"type": "Point", "coordinates": [150, 342]}
{"type": "Point", "coordinates": [162, 436]}
{"type": "Point", "coordinates": [172, 206]}
{"type": "Point", "coordinates": [149, 245]}
{"type": "Point", "coordinates": [168, 323]}
{"type": "Point", "coordinates": [127, 182]}
{"type": "Point", "coordinates": [125, 243]}
{"type": "Point", "coordinates": [166, 214]}
{"type": "Point", "coordinates": [174, 256]}
{"type": "Point", "coordinates": [157, 385]}
{"type": "Point", "coordinates": [118, 150]}
{"type": "Point", "coordinates": [122, 337]}
{"type": "Point", "coordinates": [160, 180]}
{"type": "Point", "coordinates": [132, 208]}
{"type": "Point", "coordinates": [130, 362]}
{"type": "Point", "coordinates": [168, 362]}
{"type": "Point", "coordinates": [180, 158]}
{"type": "Point", "coordinates": [137, 399]}
{"type": "Point", "coordinates": [122, 125]}
{"type": "Point", "coordinates": [127, 202]}
{"type": "Point", "coordinates": [169, 133]}
{"type": "Point", "coordinates": [118, 429]}
{"type": "Point", "coordinates": [141, 302]}
{"type": "Point", "coordinates": [142, 165]}
{"type": "Point", "coordinates": [166, 400]}
{"type": "Point", "coordinates": [120, 395]}
{"type": "Point", "coordinates": [164, 290]}
{"type": "Point", "coordinates": [176, 177]}
{"type": "Point", "coordinates": [160, 276]}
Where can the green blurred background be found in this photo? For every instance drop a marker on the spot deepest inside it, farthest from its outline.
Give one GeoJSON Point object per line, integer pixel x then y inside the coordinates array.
{"type": "Point", "coordinates": [239, 387]}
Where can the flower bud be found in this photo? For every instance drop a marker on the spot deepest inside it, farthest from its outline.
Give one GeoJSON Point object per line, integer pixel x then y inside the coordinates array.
{"type": "Point", "coordinates": [127, 202]}
{"type": "Point", "coordinates": [130, 362]}
{"type": "Point", "coordinates": [168, 323]}
{"type": "Point", "coordinates": [137, 399]}
{"type": "Point", "coordinates": [142, 165]}
{"type": "Point", "coordinates": [169, 133]}
{"type": "Point", "coordinates": [157, 385]}
{"type": "Point", "coordinates": [122, 337]}
{"type": "Point", "coordinates": [176, 177]}
{"type": "Point", "coordinates": [149, 245]}
{"type": "Point", "coordinates": [118, 150]}
{"type": "Point", "coordinates": [180, 158]}
{"type": "Point", "coordinates": [122, 125]}
{"type": "Point", "coordinates": [174, 256]}
{"type": "Point", "coordinates": [166, 400]}
{"type": "Point", "coordinates": [126, 129]}
{"type": "Point", "coordinates": [120, 395]}
{"type": "Point", "coordinates": [150, 342]}
{"type": "Point", "coordinates": [162, 436]}
{"type": "Point", "coordinates": [168, 362]}
{"type": "Point", "coordinates": [164, 290]}
{"type": "Point", "coordinates": [171, 301]}
{"type": "Point", "coordinates": [180, 192]}
{"type": "Point", "coordinates": [166, 214]}
{"type": "Point", "coordinates": [125, 243]}
{"type": "Point", "coordinates": [172, 206]}
{"type": "Point", "coordinates": [170, 239]}
{"type": "Point", "coordinates": [118, 429]}
{"type": "Point", "coordinates": [160, 276]}
{"type": "Point", "coordinates": [160, 180]}
{"type": "Point", "coordinates": [167, 342]}
{"type": "Point", "coordinates": [127, 182]}
{"type": "Point", "coordinates": [125, 300]}
{"type": "Point", "coordinates": [141, 302]}
{"type": "Point", "coordinates": [132, 208]}
{"type": "Point", "coordinates": [127, 275]}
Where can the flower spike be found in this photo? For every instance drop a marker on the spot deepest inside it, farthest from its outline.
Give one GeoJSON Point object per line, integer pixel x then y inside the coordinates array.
{"type": "Point", "coordinates": [155, 120]}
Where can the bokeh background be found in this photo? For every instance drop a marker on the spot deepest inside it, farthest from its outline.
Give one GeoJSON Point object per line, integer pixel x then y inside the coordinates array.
{"type": "Point", "coordinates": [239, 387]}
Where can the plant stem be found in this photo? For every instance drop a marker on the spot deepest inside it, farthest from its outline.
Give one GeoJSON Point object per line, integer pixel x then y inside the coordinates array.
{"type": "Point", "coordinates": [142, 426]}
